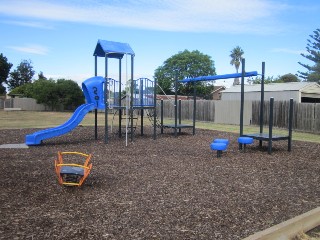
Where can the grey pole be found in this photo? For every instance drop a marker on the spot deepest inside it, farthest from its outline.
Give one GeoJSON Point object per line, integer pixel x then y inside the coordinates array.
{"type": "Point", "coordinates": [270, 125]}
{"type": "Point", "coordinates": [175, 107]}
{"type": "Point", "coordinates": [106, 99]}
{"type": "Point", "coordinates": [242, 97]}
{"type": "Point", "coordinates": [290, 124]}
{"type": "Point", "coordinates": [242, 100]}
{"type": "Point", "coordinates": [131, 100]}
{"type": "Point", "coordinates": [262, 101]}
{"type": "Point", "coordinates": [95, 110]}
{"type": "Point", "coordinates": [119, 99]}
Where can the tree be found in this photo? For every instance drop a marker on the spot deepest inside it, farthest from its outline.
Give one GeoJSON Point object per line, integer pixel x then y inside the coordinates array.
{"type": "Point", "coordinates": [288, 78]}
{"type": "Point", "coordinates": [54, 94]}
{"type": "Point", "coordinates": [314, 76]}
{"type": "Point", "coordinates": [70, 94]}
{"type": "Point", "coordinates": [41, 76]}
{"type": "Point", "coordinates": [182, 65]}
{"type": "Point", "coordinates": [236, 57]}
{"type": "Point", "coordinates": [46, 92]}
{"type": "Point", "coordinates": [22, 75]}
{"type": "Point", "coordinates": [313, 48]}
{"type": "Point", "coordinates": [5, 67]}
{"type": "Point", "coordinates": [258, 80]}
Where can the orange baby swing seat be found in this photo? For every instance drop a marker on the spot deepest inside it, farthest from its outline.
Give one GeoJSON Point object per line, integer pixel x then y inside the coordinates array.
{"type": "Point", "coordinates": [72, 174]}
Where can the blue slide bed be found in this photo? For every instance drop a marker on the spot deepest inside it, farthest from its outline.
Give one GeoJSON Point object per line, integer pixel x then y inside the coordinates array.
{"type": "Point", "coordinates": [76, 118]}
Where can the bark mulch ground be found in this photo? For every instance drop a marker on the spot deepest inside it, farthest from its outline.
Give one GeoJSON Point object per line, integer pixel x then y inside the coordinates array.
{"type": "Point", "coordinates": [169, 188]}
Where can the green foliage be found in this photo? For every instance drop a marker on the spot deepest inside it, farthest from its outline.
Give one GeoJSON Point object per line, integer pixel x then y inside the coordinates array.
{"type": "Point", "coordinates": [183, 65]}
{"type": "Point", "coordinates": [258, 80]}
{"type": "Point", "coordinates": [313, 48]}
{"type": "Point", "coordinates": [52, 93]}
{"type": "Point", "coordinates": [25, 90]}
{"type": "Point", "coordinates": [41, 76]}
{"type": "Point", "coordinates": [5, 67]}
{"type": "Point", "coordinates": [289, 77]}
{"type": "Point", "coordinates": [314, 76]}
{"type": "Point", "coordinates": [46, 92]}
{"type": "Point", "coordinates": [21, 75]}
{"type": "Point", "coordinates": [70, 94]}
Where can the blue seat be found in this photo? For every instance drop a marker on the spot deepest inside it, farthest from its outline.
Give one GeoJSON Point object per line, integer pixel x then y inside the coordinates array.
{"type": "Point", "coordinates": [219, 147]}
{"type": "Point", "coordinates": [221, 140]}
{"type": "Point", "coordinates": [244, 141]}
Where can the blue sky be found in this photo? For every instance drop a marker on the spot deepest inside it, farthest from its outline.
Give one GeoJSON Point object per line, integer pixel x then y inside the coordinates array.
{"type": "Point", "coordinates": [59, 36]}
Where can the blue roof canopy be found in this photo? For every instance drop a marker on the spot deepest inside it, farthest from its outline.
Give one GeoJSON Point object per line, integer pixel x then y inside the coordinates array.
{"type": "Point", "coordinates": [217, 77]}
{"type": "Point", "coordinates": [112, 49]}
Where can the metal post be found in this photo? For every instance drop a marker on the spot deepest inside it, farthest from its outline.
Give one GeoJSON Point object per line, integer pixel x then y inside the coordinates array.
{"type": "Point", "coordinates": [242, 100]}
{"type": "Point", "coordinates": [194, 108]}
{"type": "Point", "coordinates": [270, 126]}
{"type": "Point", "coordinates": [290, 124]}
{"type": "Point", "coordinates": [155, 109]}
{"type": "Point", "coordinates": [262, 101]}
{"type": "Point", "coordinates": [95, 65]}
{"type": "Point", "coordinates": [131, 100]}
{"type": "Point", "coordinates": [179, 114]}
{"type": "Point", "coordinates": [96, 124]}
{"type": "Point", "coordinates": [95, 110]}
{"type": "Point", "coordinates": [106, 100]}
{"type": "Point", "coordinates": [142, 82]}
{"type": "Point", "coordinates": [161, 117]}
{"type": "Point", "coordinates": [119, 99]}
{"type": "Point", "coordinates": [175, 107]}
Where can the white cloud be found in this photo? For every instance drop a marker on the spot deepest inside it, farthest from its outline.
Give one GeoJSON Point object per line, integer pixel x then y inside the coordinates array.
{"type": "Point", "coordinates": [168, 15]}
{"type": "Point", "coordinates": [33, 49]}
{"type": "Point", "coordinates": [32, 24]}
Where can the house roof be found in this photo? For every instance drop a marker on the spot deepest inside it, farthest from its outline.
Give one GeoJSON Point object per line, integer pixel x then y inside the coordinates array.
{"type": "Point", "coordinates": [113, 49]}
{"type": "Point", "coordinates": [218, 88]}
{"type": "Point", "coordinates": [304, 87]}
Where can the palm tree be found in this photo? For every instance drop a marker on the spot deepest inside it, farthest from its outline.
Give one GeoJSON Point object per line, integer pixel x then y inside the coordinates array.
{"type": "Point", "coordinates": [236, 57]}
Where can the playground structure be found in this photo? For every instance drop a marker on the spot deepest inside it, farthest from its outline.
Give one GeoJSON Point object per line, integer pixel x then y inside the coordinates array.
{"type": "Point", "coordinates": [106, 93]}
{"type": "Point", "coordinates": [261, 136]}
{"type": "Point", "coordinates": [140, 94]}
{"type": "Point", "coordinates": [72, 174]}
{"type": "Point", "coordinates": [258, 136]}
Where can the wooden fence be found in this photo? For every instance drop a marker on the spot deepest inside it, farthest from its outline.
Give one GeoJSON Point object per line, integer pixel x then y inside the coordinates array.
{"type": "Point", "coordinates": [306, 116]}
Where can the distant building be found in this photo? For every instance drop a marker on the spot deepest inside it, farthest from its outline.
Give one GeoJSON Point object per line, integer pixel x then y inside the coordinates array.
{"type": "Point", "coordinates": [299, 91]}
{"type": "Point", "coordinates": [216, 93]}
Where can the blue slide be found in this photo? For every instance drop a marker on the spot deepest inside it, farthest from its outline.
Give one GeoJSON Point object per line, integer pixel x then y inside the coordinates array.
{"type": "Point", "coordinates": [76, 118]}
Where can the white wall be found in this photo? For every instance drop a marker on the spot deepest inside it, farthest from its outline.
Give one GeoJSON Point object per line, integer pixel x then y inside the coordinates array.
{"type": "Point", "coordinates": [228, 112]}
{"type": "Point", "coordinates": [255, 96]}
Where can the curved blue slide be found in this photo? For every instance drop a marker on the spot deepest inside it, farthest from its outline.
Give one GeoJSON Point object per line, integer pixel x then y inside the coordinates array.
{"type": "Point", "coordinates": [76, 118]}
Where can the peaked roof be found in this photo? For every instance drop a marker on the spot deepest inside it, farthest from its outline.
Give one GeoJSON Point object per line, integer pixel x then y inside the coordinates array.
{"type": "Point", "coordinates": [113, 49]}
{"type": "Point", "coordinates": [277, 87]}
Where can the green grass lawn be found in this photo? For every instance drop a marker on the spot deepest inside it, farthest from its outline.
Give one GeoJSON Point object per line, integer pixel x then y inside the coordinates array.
{"type": "Point", "coordinates": [30, 119]}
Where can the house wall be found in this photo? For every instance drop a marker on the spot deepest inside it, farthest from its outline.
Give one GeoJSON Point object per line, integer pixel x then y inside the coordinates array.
{"type": "Point", "coordinates": [255, 96]}
{"type": "Point", "coordinates": [228, 112]}
{"type": "Point", "coordinates": [26, 104]}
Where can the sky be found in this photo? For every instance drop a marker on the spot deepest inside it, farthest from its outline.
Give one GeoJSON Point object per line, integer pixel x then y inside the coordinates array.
{"type": "Point", "coordinates": [59, 36]}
